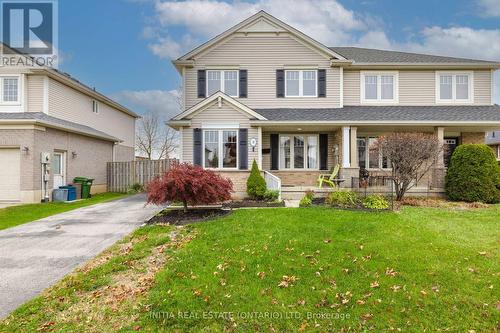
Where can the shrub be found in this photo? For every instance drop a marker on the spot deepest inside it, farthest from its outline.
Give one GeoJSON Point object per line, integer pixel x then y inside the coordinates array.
{"type": "Point", "coordinates": [256, 185]}
{"type": "Point", "coordinates": [375, 201]}
{"type": "Point", "coordinates": [310, 194]}
{"type": "Point", "coordinates": [305, 201]}
{"type": "Point", "coordinates": [473, 175]}
{"type": "Point", "coordinates": [136, 188]}
{"type": "Point", "coordinates": [271, 195]}
{"type": "Point", "coordinates": [343, 199]}
{"type": "Point", "coordinates": [189, 184]}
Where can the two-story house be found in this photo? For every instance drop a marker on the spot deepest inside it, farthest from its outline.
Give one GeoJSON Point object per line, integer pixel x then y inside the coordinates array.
{"type": "Point", "coordinates": [45, 111]}
{"type": "Point", "coordinates": [267, 92]}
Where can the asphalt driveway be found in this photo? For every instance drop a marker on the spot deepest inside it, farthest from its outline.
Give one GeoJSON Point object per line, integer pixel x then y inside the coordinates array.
{"type": "Point", "coordinates": [35, 255]}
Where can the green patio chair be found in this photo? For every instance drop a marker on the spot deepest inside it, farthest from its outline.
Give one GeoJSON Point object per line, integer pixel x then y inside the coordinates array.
{"type": "Point", "coordinates": [330, 179]}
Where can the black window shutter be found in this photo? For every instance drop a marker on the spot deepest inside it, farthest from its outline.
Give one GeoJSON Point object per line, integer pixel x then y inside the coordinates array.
{"type": "Point", "coordinates": [197, 142]}
{"type": "Point", "coordinates": [202, 86]}
{"type": "Point", "coordinates": [243, 83]}
{"type": "Point", "coordinates": [323, 151]}
{"type": "Point", "coordinates": [243, 149]}
{"type": "Point", "coordinates": [280, 83]}
{"type": "Point", "coordinates": [321, 83]}
{"type": "Point", "coordinates": [275, 151]}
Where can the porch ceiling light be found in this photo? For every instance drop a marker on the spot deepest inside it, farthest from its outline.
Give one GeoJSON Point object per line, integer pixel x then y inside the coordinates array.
{"type": "Point", "coordinates": [299, 129]}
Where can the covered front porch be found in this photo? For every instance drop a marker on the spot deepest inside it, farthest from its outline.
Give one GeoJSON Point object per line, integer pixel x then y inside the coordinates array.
{"type": "Point", "coordinates": [294, 156]}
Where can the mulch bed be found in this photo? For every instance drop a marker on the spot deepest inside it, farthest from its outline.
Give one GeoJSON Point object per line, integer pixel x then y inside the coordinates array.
{"type": "Point", "coordinates": [178, 217]}
{"type": "Point", "coordinates": [247, 203]}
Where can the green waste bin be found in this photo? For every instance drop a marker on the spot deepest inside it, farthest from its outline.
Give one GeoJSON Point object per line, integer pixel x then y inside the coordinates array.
{"type": "Point", "coordinates": [86, 184]}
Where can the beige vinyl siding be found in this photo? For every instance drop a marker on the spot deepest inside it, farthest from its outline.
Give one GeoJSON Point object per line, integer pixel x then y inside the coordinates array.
{"type": "Point", "coordinates": [72, 105]}
{"type": "Point", "coordinates": [482, 87]}
{"type": "Point", "coordinates": [351, 87]}
{"type": "Point", "coordinates": [35, 92]}
{"type": "Point", "coordinates": [261, 55]}
{"type": "Point", "coordinates": [418, 87]}
{"type": "Point", "coordinates": [213, 115]}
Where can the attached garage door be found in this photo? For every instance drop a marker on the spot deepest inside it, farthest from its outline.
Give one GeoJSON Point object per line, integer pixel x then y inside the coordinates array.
{"type": "Point", "coordinates": [10, 178]}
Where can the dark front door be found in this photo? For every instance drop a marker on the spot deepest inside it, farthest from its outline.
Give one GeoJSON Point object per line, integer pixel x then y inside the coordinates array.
{"type": "Point", "coordinates": [449, 146]}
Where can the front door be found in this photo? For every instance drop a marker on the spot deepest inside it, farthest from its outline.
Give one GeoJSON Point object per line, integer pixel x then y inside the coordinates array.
{"type": "Point", "coordinates": [449, 146]}
{"type": "Point", "coordinates": [59, 169]}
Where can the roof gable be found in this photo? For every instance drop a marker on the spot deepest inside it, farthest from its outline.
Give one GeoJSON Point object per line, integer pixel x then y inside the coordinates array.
{"type": "Point", "coordinates": [262, 22]}
{"type": "Point", "coordinates": [218, 97]}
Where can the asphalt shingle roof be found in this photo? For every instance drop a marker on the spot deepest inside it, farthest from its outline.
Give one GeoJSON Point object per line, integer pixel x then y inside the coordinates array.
{"type": "Point", "coordinates": [49, 120]}
{"type": "Point", "coordinates": [386, 113]}
{"type": "Point", "coordinates": [359, 54]}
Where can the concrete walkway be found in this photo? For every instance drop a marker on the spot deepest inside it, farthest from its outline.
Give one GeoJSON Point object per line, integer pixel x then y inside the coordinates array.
{"type": "Point", "coordinates": [35, 255]}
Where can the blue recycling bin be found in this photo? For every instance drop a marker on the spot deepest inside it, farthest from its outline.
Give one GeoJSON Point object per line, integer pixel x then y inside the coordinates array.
{"type": "Point", "coordinates": [71, 192]}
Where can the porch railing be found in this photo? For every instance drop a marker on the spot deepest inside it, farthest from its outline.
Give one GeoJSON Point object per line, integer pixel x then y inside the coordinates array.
{"type": "Point", "coordinates": [273, 183]}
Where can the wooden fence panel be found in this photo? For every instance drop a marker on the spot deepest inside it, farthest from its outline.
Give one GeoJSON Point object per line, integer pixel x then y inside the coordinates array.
{"type": "Point", "coordinates": [122, 175]}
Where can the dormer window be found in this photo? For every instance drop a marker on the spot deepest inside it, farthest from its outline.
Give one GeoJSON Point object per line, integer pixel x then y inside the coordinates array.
{"type": "Point", "coordinates": [223, 80]}
{"type": "Point", "coordinates": [379, 87]}
{"type": "Point", "coordinates": [454, 87]}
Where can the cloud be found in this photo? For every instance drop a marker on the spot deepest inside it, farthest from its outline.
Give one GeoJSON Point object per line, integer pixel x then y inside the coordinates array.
{"type": "Point", "coordinates": [163, 102]}
{"type": "Point", "coordinates": [489, 8]}
{"type": "Point", "coordinates": [325, 20]}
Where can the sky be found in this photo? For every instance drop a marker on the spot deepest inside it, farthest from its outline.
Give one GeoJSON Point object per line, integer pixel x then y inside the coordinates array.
{"type": "Point", "coordinates": [124, 47]}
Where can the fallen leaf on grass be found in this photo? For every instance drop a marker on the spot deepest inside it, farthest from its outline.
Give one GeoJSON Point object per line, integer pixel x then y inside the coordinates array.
{"type": "Point", "coordinates": [374, 284]}
{"type": "Point", "coordinates": [423, 292]}
{"type": "Point", "coordinates": [261, 275]}
{"type": "Point", "coordinates": [482, 253]}
{"type": "Point", "coordinates": [472, 270]}
{"type": "Point", "coordinates": [390, 272]}
{"type": "Point", "coordinates": [367, 316]}
{"type": "Point", "coordinates": [327, 241]}
{"type": "Point", "coordinates": [395, 288]}
{"type": "Point", "coordinates": [435, 289]}
{"type": "Point", "coordinates": [287, 281]}
{"type": "Point", "coordinates": [360, 302]}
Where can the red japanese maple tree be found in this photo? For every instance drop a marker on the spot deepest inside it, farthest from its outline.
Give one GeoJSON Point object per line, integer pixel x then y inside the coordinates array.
{"type": "Point", "coordinates": [189, 184]}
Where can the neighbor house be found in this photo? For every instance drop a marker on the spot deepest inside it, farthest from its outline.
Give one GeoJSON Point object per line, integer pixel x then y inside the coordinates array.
{"type": "Point", "coordinates": [493, 140]}
{"type": "Point", "coordinates": [47, 113]}
{"type": "Point", "coordinates": [265, 91]}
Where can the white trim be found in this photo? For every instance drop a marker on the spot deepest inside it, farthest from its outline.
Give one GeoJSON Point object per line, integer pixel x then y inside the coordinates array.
{"type": "Point", "coordinates": [453, 99]}
{"type": "Point", "coordinates": [219, 125]}
{"type": "Point", "coordinates": [341, 86]}
{"type": "Point", "coordinates": [24, 100]}
{"type": "Point", "coordinates": [259, 147]}
{"type": "Point", "coordinates": [292, 152]}
{"type": "Point", "coordinates": [346, 145]}
{"type": "Point", "coordinates": [223, 81]}
{"type": "Point", "coordinates": [183, 88]}
{"type": "Point", "coordinates": [492, 91]}
{"type": "Point", "coordinates": [207, 101]}
{"type": "Point", "coordinates": [220, 148]}
{"type": "Point", "coordinates": [379, 100]}
{"type": "Point", "coordinates": [45, 95]}
{"type": "Point", "coordinates": [301, 83]}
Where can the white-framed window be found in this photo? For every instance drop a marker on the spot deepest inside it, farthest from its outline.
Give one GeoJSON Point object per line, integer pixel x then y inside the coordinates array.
{"type": "Point", "coordinates": [95, 106]}
{"type": "Point", "coordinates": [9, 89]}
{"type": "Point", "coordinates": [220, 149]}
{"type": "Point", "coordinates": [223, 80]}
{"type": "Point", "coordinates": [370, 157]}
{"type": "Point", "coordinates": [301, 83]}
{"type": "Point", "coordinates": [454, 87]}
{"type": "Point", "coordinates": [379, 87]}
{"type": "Point", "coordinates": [299, 152]}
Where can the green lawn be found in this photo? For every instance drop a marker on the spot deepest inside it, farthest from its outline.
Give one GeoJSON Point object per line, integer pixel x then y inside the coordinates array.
{"type": "Point", "coordinates": [16, 215]}
{"type": "Point", "coordinates": [421, 269]}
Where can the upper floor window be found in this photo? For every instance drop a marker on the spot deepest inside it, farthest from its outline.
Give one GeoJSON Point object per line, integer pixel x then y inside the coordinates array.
{"type": "Point", "coordinates": [453, 87]}
{"type": "Point", "coordinates": [301, 83]}
{"type": "Point", "coordinates": [95, 106]}
{"type": "Point", "coordinates": [10, 89]}
{"type": "Point", "coordinates": [379, 87]}
{"type": "Point", "coordinates": [220, 149]}
{"type": "Point", "coordinates": [223, 80]}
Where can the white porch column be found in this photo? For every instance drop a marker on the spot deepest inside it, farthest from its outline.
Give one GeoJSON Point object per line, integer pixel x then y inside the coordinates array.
{"type": "Point", "coordinates": [439, 132]}
{"type": "Point", "coordinates": [354, 147]}
{"type": "Point", "coordinates": [346, 152]}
